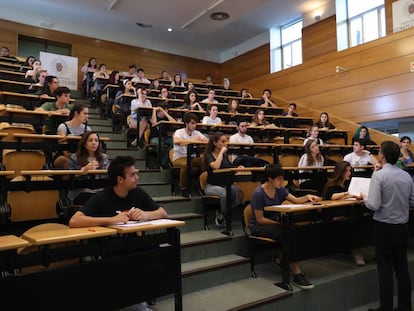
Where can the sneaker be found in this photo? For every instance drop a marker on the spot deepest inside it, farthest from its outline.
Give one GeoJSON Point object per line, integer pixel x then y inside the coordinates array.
{"type": "Point", "coordinates": [359, 259]}
{"type": "Point", "coordinates": [219, 219]}
{"type": "Point", "coordinates": [134, 142]}
{"type": "Point", "coordinates": [300, 281]}
{"type": "Point", "coordinates": [143, 306]}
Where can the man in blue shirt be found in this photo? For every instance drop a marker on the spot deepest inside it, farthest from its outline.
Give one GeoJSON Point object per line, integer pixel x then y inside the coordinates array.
{"type": "Point", "coordinates": [390, 195]}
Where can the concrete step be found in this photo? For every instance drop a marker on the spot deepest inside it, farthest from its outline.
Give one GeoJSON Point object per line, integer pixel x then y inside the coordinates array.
{"type": "Point", "coordinates": [178, 204]}
{"type": "Point", "coordinates": [197, 245]}
{"type": "Point", "coordinates": [204, 273]}
{"type": "Point", "coordinates": [240, 295]}
{"type": "Point", "coordinates": [154, 175]}
{"type": "Point", "coordinates": [156, 188]}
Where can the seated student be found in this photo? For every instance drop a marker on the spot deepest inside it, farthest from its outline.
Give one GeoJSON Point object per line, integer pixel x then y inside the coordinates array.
{"type": "Point", "coordinates": [336, 188]}
{"type": "Point", "coordinates": [233, 108]}
{"type": "Point", "coordinates": [177, 81]}
{"type": "Point", "coordinates": [122, 201]}
{"type": "Point", "coordinates": [50, 86]}
{"type": "Point", "coordinates": [360, 156]}
{"type": "Point", "coordinates": [191, 102]}
{"type": "Point", "coordinates": [210, 98]}
{"type": "Point", "coordinates": [100, 78]}
{"type": "Point", "coordinates": [267, 224]}
{"type": "Point", "coordinates": [190, 87]}
{"type": "Point", "coordinates": [88, 70]}
{"type": "Point", "coordinates": [165, 76]}
{"type": "Point", "coordinates": [62, 106]}
{"type": "Point", "coordinates": [114, 79]}
{"type": "Point", "coordinates": [226, 84]}
{"type": "Point", "coordinates": [37, 88]}
{"type": "Point", "coordinates": [4, 52]}
{"type": "Point", "coordinates": [140, 78]}
{"type": "Point", "coordinates": [313, 134]}
{"type": "Point", "coordinates": [155, 85]}
{"type": "Point", "coordinates": [31, 75]}
{"type": "Point", "coordinates": [122, 103]}
{"type": "Point", "coordinates": [29, 61]}
{"type": "Point", "coordinates": [131, 73]}
{"type": "Point", "coordinates": [259, 120]}
{"type": "Point", "coordinates": [291, 111]}
{"type": "Point", "coordinates": [75, 126]}
{"type": "Point", "coordinates": [89, 156]}
{"type": "Point", "coordinates": [324, 123]}
{"type": "Point", "coordinates": [363, 133]}
{"type": "Point", "coordinates": [245, 94]}
{"type": "Point", "coordinates": [160, 113]}
{"type": "Point", "coordinates": [406, 156]}
{"type": "Point", "coordinates": [164, 93]}
{"type": "Point", "coordinates": [266, 101]}
{"type": "Point", "coordinates": [209, 80]}
{"type": "Point", "coordinates": [216, 158]}
{"type": "Point", "coordinates": [212, 118]}
{"type": "Point", "coordinates": [312, 157]}
{"type": "Point", "coordinates": [141, 101]}
{"type": "Point", "coordinates": [181, 138]}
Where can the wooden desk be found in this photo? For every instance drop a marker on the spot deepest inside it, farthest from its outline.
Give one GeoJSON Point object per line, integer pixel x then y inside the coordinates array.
{"type": "Point", "coordinates": [12, 75]}
{"type": "Point", "coordinates": [311, 230]}
{"type": "Point", "coordinates": [13, 86]}
{"type": "Point", "coordinates": [97, 281]}
{"type": "Point", "coordinates": [289, 122]}
{"type": "Point", "coordinates": [12, 242]}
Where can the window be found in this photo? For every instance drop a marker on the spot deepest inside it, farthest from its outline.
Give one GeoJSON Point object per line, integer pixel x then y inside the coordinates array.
{"type": "Point", "coordinates": [286, 46]}
{"type": "Point", "coordinates": [32, 46]}
{"type": "Point", "coordinates": [359, 22]}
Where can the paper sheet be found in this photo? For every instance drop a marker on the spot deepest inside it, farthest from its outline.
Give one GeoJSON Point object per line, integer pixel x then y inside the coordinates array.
{"type": "Point", "coordinates": [359, 185]}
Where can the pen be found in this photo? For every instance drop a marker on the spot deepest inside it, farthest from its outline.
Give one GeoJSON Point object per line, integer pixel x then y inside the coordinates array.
{"type": "Point", "coordinates": [132, 208]}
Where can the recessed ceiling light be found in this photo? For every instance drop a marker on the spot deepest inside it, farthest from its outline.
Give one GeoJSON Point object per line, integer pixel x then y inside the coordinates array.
{"type": "Point", "coordinates": [169, 29]}
{"type": "Point", "coordinates": [219, 16]}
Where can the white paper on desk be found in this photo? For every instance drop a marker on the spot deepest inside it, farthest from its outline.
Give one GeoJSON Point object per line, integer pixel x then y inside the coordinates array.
{"type": "Point", "coordinates": [359, 185]}
{"type": "Point", "coordinates": [290, 205]}
{"type": "Point", "coordinates": [134, 223]}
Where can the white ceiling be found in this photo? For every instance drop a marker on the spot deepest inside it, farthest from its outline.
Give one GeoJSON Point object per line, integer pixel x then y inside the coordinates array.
{"type": "Point", "coordinates": [194, 33]}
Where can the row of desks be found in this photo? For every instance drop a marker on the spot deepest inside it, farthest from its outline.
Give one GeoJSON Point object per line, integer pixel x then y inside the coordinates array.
{"type": "Point", "coordinates": [147, 253]}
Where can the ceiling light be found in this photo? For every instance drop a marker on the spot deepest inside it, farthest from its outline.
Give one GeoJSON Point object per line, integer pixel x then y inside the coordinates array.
{"type": "Point", "coordinates": [111, 5]}
{"type": "Point", "coordinates": [219, 16]}
{"type": "Point", "coordinates": [169, 29]}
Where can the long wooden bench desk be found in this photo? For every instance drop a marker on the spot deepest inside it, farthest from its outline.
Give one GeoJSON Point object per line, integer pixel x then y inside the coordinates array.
{"type": "Point", "coordinates": [314, 230]}
{"type": "Point", "coordinates": [150, 259]}
{"type": "Point", "coordinates": [12, 75]}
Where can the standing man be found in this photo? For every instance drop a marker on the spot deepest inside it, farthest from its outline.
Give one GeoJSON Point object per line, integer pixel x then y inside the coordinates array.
{"type": "Point", "coordinates": [390, 195]}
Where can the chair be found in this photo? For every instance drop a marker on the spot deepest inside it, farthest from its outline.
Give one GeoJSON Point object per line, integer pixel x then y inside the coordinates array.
{"type": "Point", "coordinates": [175, 174]}
{"type": "Point", "coordinates": [256, 243]}
{"type": "Point", "coordinates": [36, 204]}
{"type": "Point", "coordinates": [208, 201]}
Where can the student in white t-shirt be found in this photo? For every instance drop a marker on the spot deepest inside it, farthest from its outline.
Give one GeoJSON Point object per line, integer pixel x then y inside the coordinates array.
{"type": "Point", "coordinates": [241, 136]}
{"type": "Point", "coordinates": [181, 138]}
{"type": "Point", "coordinates": [360, 156]}
{"type": "Point", "coordinates": [212, 118]}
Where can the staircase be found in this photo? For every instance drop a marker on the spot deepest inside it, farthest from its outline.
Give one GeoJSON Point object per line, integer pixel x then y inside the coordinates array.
{"type": "Point", "coordinates": [209, 258]}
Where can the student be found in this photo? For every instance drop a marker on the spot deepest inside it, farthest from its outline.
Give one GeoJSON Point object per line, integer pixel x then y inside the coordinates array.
{"type": "Point", "coordinates": [191, 102]}
{"type": "Point", "coordinates": [267, 224]}
{"type": "Point", "coordinates": [391, 193]}
{"type": "Point", "coordinates": [241, 136]}
{"type": "Point", "coordinates": [140, 78]}
{"type": "Point", "coordinates": [122, 195]}
{"type": "Point", "coordinates": [216, 158]}
{"type": "Point", "coordinates": [360, 156]}
{"type": "Point", "coordinates": [31, 75]}
{"type": "Point", "coordinates": [210, 98]}
{"type": "Point", "coordinates": [141, 101]}
{"type": "Point", "coordinates": [291, 111]}
{"type": "Point", "coordinates": [406, 156]}
{"type": "Point", "coordinates": [165, 76]}
{"type": "Point", "coordinates": [88, 71]}
{"type": "Point", "coordinates": [336, 188]}
{"type": "Point", "coordinates": [265, 101]}
{"type": "Point", "coordinates": [76, 126]}
{"type": "Point", "coordinates": [122, 103]}
{"type": "Point", "coordinates": [259, 118]}
{"type": "Point", "coordinates": [50, 86]}
{"type": "Point", "coordinates": [233, 106]}
{"type": "Point", "coordinates": [181, 138]}
{"type": "Point", "coordinates": [245, 94]}
{"type": "Point", "coordinates": [363, 133]}
{"type": "Point", "coordinates": [209, 80]}
{"type": "Point", "coordinates": [4, 52]}
{"type": "Point", "coordinates": [226, 84]}
{"type": "Point", "coordinates": [62, 106]}
{"type": "Point", "coordinates": [212, 118]}
{"type": "Point", "coordinates": [89, 156]}
{"type": "Point", "coordinates": [313, 134]}
{"type": "Point", "coordinates": [160, 113]}
{"type": "Point", "coordinates": [177, 81]}
{"type": "Point", "coordinates": [312, 157]}
{"type": "Point", "coordinates": [37, 88]}
{"type": "Point", "coordinates": [324, 123]}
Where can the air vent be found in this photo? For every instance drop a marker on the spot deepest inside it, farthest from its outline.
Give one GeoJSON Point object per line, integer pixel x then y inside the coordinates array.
{"type": "Point", "coordinates": [219, 16]}
{"type": "Point", "coordinates": [144, 25]}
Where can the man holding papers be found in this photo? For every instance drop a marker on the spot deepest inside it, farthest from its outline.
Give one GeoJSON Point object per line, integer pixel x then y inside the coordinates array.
{"type": "Point", "coordinates": [119, 203]}
{"type": "Point", "coordinates": [390, 195]}
{"type": "Point", "coordinates": [266, 224]}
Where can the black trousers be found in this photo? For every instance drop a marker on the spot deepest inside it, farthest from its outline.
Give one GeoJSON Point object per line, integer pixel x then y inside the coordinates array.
{"type": "Point", "coordinates": [390, 242]}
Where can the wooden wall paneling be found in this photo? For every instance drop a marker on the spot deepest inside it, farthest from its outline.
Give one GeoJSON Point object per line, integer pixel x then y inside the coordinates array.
{"type": "Point", "coordinates": [255, 63]}
{"type": "Point", "coordinates": [319, 38]}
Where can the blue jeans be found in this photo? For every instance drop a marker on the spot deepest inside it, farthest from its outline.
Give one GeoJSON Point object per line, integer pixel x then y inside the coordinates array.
{"type": "Point", "coordinates": [221, 192]}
